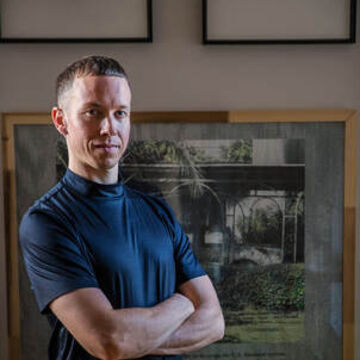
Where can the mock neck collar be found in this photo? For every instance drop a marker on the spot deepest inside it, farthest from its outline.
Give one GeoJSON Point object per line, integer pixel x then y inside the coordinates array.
{"type": "Point", "coordinates": [93, 189]}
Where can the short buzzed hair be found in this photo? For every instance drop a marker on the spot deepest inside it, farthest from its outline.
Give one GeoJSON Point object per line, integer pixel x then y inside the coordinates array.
{"type": "Point", "coordinates": [91, 65]}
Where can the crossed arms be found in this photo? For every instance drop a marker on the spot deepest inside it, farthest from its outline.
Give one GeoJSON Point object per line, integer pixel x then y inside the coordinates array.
{"type": "Point", "coordinates": [187, 321]}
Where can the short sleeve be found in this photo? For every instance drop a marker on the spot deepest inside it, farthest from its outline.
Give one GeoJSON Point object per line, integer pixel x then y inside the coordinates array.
{"type": "Point", "coordinates": [187, 264]}
{"type": "Point", "coordinates": [53, 258]}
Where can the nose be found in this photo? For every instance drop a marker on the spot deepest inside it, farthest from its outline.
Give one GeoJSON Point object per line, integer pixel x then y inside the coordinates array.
{"type": "Point", "coordinates": [107, 126]}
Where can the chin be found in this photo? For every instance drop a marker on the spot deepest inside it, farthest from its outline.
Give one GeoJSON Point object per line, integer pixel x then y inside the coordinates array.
{"type": "Point", "coordinates": [108, 165]}
{"type": "Point", "coordinates": [107, 162]}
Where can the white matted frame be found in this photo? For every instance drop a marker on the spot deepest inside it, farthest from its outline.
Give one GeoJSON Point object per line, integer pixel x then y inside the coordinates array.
{"type": "Point", "coordinates": [278, 21]}
{"type": "Point", "coordinates": [76, 21]}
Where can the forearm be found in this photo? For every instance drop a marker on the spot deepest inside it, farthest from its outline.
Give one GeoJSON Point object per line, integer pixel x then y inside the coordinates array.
{"type": "Point", "coordinates": [138, 331]}
{"type": "Point", "coordinates": [202, 328]}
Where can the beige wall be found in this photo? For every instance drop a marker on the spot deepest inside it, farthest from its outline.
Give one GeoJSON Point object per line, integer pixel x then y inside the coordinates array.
{"type": "Point", "coordinates": [176, 72]}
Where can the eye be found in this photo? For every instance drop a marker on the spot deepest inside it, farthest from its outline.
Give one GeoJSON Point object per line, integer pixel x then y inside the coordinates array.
{"type": "Point", "coordinates": [92, 113]}
{"type": "Point", "coordinates": [120, 113]}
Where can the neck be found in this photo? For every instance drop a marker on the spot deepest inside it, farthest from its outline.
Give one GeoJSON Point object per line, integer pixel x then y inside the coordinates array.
{"type": "Point", "coordinates": [101, 176]}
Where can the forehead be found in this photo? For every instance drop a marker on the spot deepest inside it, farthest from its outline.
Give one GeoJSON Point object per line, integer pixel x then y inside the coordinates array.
{"type": "Point", "coordinates": [101, 87]}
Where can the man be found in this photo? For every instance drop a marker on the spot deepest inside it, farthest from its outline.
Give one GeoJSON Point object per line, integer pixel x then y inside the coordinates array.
{"type": "Point", "coordinates": [110, 266]}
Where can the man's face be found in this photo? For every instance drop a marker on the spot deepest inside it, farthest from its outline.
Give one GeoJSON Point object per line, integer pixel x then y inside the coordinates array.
{"type": "Point", "coordinates": [97, 117]}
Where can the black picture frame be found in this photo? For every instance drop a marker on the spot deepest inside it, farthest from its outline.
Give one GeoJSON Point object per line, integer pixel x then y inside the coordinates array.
{"type": "Point", "coordinates": [121, 39]}
{"type": "Point", "coordinates": [207, 40]}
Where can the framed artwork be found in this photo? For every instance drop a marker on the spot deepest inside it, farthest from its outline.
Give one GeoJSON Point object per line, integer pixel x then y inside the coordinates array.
{"type": "Point", "coordinates": [267, 200]}
{"type": "Point", "coordinates": [278, 21]}
{"type": "Point", "coordinates": [76, 21]}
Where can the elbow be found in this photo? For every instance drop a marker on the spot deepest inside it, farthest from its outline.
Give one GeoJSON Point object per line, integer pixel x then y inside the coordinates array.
{"type": "Point", "coordinates": [107, 347]}
{"type": "Point", "coordinates": [215, 319]}
{"type": "Point", "coordinates": [115, 348]}
{"type": "Point", "coordinates": [107, 354]}
{"type": "Point", "coordinates": [219, 327]}
{"type": "Point", "coordinates": [110, 351]}
{"type": "Point", "coordinates": [107, 350]}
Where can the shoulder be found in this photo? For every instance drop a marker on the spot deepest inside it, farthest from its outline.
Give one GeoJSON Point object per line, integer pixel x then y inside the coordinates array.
{"type": "Point", "coordinates": [43, 219]}
{"type": "Point", "coordinates": [45, 201]}
{"type": "Point", "coordinates": [48, 208]}
{"type": "Point", "coordinates": [39, 226]}
{"type": "Point", "coordinates": [39, 215]}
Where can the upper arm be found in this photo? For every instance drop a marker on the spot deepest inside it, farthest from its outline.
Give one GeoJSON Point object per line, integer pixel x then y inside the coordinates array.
{"type": "Point", "coordinates": [87, 315]}
{"type": "Point", "coordinates": [53, 258]}
{"type": "Point", "coordinates": [63, 279]}
{"type": "Point", "coordinates": [200, 291]}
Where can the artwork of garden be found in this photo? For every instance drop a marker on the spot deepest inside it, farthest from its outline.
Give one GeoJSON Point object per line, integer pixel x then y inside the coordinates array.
{"type": "Point", "coordinates": [241, 203]}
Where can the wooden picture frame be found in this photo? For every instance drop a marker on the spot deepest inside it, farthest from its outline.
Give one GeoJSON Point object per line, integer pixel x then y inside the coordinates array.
{"type": "Point", "coordinates": [230, 22]}
{"type": "Point", "coordinates": [346, 120]}
{"type": "Point", "coordinates": [34, 22]}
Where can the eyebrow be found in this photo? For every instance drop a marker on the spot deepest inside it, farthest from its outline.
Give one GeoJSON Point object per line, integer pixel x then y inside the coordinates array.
{"type": "Point", "coordinates": [95, 104]}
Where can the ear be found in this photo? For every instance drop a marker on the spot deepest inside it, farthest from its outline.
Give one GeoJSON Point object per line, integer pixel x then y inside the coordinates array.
{"type": "Point", "coordinates": [58, 118]}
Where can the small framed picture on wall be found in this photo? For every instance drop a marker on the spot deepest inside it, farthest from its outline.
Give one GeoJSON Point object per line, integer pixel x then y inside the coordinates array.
{"type": "Point", "coordinates": [278, 21]}
{"type": "Point", "coordinates": [76, 21]}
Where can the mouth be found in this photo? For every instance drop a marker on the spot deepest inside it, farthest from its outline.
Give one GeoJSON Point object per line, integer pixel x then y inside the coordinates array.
{"type": "Point", "coordinates": [108, 148]}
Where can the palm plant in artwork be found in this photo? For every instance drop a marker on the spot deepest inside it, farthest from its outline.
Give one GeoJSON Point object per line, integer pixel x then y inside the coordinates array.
{"type": "Point", "coordinates": [176, 153]}
{"type": "Point", "coordinates": [194, 179]}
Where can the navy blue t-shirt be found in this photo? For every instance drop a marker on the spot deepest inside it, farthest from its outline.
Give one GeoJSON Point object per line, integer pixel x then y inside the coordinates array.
{"type": "Point", "coordinates": [125, 242]}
